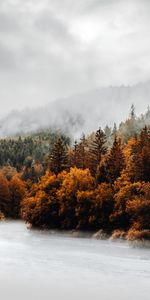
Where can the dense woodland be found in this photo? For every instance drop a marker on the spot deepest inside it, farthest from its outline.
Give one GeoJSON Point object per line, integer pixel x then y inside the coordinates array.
{"type": "Point", "coordinates": [101, 182]}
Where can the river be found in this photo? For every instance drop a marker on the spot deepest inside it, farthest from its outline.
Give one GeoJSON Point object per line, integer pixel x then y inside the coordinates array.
{"type": "Point", "coordinates": [50, 265]}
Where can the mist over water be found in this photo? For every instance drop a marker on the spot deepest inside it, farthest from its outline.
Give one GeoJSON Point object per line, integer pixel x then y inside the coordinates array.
{"type": "Point", "coordinates": [44, 265]}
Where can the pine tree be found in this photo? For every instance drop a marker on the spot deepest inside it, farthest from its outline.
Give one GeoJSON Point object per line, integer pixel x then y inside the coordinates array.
{"type": "Point", "coordinates": [58, 157]}
{"type": "Point", "coordinates": [132, 112]}
{"type": "Point", "coordinates": [74, 156]}
{"type": "Point", "coordinates": [114, 131]}
{"type": "Point", "coordinates": [98, 149]}
{"type": "Point", "coordinates": [80, 154]}
{"type": "Point", "coordinates": [116, 161]}
{"type": "Point", "coordinates": [110, 169]}
{"type": "Point", "coordinates": [139, 166]}
{"type": "Point", "coordinates": [132, 122]}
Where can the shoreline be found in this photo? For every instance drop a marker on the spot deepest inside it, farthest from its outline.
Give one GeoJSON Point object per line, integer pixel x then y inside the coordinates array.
{"type": "Point", "coordinates": [134, 238]}
{"type": "Point", "coordinates": [116, 235]}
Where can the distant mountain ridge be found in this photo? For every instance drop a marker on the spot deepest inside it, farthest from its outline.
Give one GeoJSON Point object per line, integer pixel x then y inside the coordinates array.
{"type": "Point", "coordinates": [79, 113]}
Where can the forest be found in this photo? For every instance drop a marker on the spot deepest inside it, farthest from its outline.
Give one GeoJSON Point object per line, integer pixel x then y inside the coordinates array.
{"type": "Point", "coordinates": [100, 182]}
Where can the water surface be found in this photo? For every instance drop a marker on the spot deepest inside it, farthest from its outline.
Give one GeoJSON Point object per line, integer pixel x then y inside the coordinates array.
{"type": "Point", "coordinates": [43, 265]}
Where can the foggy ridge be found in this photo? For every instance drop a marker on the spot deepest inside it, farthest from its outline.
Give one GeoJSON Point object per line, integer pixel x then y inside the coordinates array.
{"type": "Point", "coordinates": [80, 113]}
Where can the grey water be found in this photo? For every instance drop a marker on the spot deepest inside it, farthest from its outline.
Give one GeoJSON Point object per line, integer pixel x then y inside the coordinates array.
{"type": "Point", "coordinates": [52, 265]}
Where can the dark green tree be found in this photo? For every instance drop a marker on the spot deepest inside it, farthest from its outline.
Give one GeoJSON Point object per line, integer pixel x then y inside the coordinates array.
{"type": "Point", "coordinates": [98, 149]}
{"type": "Point", "coordinates": [58, 157]}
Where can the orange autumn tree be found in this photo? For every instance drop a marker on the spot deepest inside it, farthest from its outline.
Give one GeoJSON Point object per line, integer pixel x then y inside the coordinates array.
{"type": "Point", "coordinates": [104, 204]}
{"type": "Point", "coordinates": [139, 208]}
{"type": "Point", "coordinates": [73, 182]}
{"type": "Point", "coordinates": [17, 193]}
{"type": "Point", "coordinates": [120, 217]}
{"type": "Point", "coordinates": [94, 207]}
{"type": "Point", "coordinates": [5, 201]}
{"type": "Point", "coordinates": [139, 164]}
{"type": "Point", "coordinates": [40, 207]}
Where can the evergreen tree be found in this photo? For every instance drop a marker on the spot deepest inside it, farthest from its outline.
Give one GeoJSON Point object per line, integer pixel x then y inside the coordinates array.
{"type": "Point", "coordinates": [114, 131]}
{"type": "Point", "coordinates": [58, 157]}
{"type": "Point", "coordinates": [139, 166]}
{"type": "Point", "coordinates": [74, 155]}
{"type": "Point", "coordinates": [80, 154]}
{"type": "Point", "coordinates": [110, 169]}
{"type": "Point", "coordinates": [132, 112]}
{"type": "Point", "coordinates": [108, 134]}
{"type": "Point", "coordinates": [98, 149]}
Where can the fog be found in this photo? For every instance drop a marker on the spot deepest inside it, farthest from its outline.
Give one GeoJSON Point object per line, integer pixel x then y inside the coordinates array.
{"type": "Point", "coordinates": [50, 265]}
{"type": "Point", "coordinates": [54, 49]}
{"type": "Point", "coordinates": [81, 112]}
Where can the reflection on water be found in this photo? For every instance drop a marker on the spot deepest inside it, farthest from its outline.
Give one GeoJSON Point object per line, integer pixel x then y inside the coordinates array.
{"type": "Point", "coordinates": [43, 265]}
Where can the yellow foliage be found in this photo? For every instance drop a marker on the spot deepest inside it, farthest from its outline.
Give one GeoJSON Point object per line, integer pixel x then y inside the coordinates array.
{"type": "Point", "coordinates": [74, 181]}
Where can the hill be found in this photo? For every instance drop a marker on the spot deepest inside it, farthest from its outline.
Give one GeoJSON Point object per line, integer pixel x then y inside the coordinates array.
{"type": "Point", "coordinates": [79, 113]}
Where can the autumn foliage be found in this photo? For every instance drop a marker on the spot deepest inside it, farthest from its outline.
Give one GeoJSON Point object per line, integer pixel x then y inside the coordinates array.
{"type": "Point", "coordinates": [93, 185]}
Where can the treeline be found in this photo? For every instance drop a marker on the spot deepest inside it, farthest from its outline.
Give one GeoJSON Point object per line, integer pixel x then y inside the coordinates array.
{"type": "Point", "coordinates": [90, 186]}
{"type": "Point", "coordinates": [18, 152]}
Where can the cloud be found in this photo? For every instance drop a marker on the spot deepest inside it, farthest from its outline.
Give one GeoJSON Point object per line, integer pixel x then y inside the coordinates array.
{"type": "Point", "coordinates": [51, 49]}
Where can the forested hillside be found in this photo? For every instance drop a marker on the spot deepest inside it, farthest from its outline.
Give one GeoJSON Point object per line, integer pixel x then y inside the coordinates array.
{"type": "Point", "coordinates": [79, 113]}
{"type": "Point", "coordinates": [100, 182]}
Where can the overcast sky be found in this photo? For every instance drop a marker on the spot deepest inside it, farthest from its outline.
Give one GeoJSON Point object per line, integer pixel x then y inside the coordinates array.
{"type": "Point", "coordinates": [54, 48]}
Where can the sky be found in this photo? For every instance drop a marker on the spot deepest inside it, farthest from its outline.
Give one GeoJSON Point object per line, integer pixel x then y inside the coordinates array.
{"type": "Point", "coordinates": [55, 48]}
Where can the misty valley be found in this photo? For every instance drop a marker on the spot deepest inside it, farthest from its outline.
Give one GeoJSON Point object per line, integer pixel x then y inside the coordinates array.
{"type": "Point", "coordinates": [98, 183]}
{"type": "Point", "coordinates": [75, 213]}
{"type": "Point", "coordinates": [74, 150]}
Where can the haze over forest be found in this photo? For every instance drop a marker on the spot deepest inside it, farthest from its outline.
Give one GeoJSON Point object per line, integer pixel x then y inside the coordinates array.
{"type": "Point", "coordinates": [80, 113]}
{"type": "Point", "coordinates": [97, 51]}
{"type": "Point", "coordinates": [74, 149]}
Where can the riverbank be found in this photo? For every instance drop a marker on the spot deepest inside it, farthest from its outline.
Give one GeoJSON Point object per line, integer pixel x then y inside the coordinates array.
{"type": "Point", "coordinates": [135, 238]}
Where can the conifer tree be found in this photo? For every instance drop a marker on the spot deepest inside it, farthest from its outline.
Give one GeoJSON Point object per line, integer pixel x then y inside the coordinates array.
{"type": "Point", "coordinates": [98, 149]}
{"type": "Point", "coordinates": [116, 161]}
{"type": "Point", "coordinates": [110, 169]}
{"type": "Point", "coordinates": [114, 131]}
{"type": "Point", "coordinates": [79, 156]}
{"type": "Point", "coordinates": [74, 156]}
{"type": "Point", "coordinates": [139, 167]}
{"type": "Point", "coordinates": [132, 112]}
{"type": "Point", "coordinates": [58, 157]}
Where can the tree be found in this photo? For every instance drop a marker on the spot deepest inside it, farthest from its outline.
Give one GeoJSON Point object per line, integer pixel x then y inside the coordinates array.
{"type": "Point", "coordinates": [139, 164]}
{"type": "Point", "coordinates": [98, 149]}
{"type": "Point", "coordinates": [40, 206]}
{"type": "Point", "coordinates": [4, 196]}
{"type": "Point", "coordinates": [114, 131]}
{"type": "Point", "coordinates": [108, 134]}
{"type": "Point", "coordinates": [94, 208]}
{"type": "Point", "coordinates": [138, 208]}
{"type": "Point", "coordinates": [58, 157]}
{"type": "Point", "coordinates": [73, 182]}
{"type": "Point", "coordinates": [129, 128]}
{"type": "Point", "coordinates": [110, 169]}
{"type": "Point", "coordinates": [124, 191]}
{"type": "Point", "coordinates": [74, 156]}
{"type": "Point", "coordinates": [17, 193]}
{"type": "Point", "coordinates": [132, 112]}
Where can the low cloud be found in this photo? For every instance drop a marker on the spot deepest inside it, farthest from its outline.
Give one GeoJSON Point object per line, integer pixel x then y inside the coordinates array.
{"type": "Point", "coordinates": [53, 49]}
